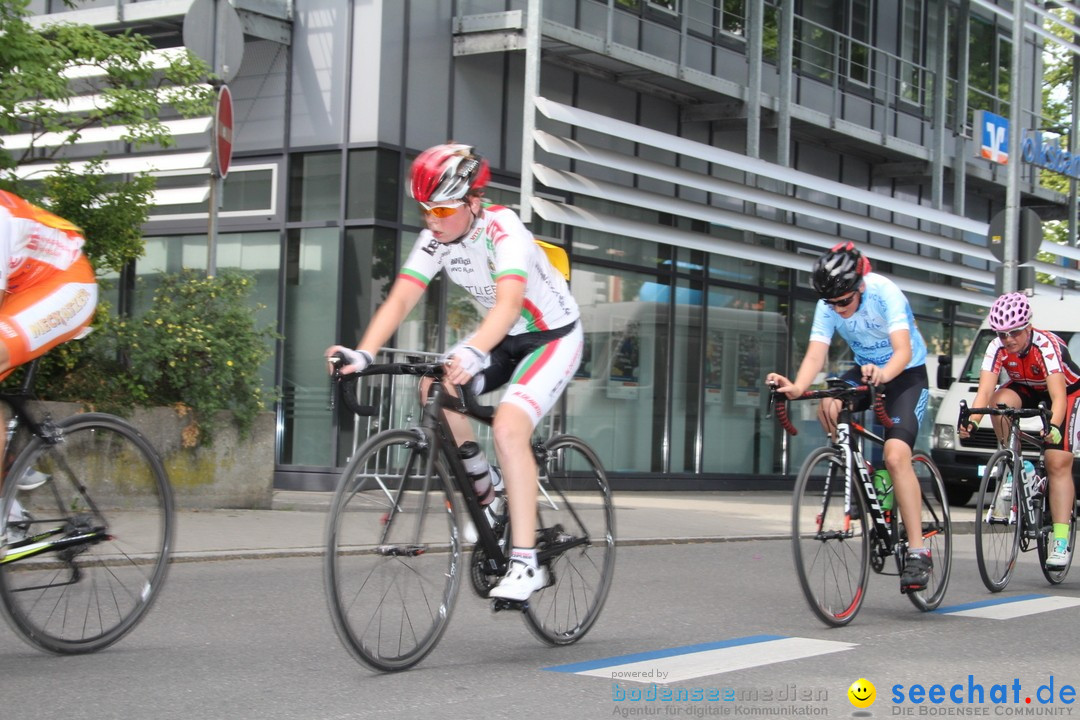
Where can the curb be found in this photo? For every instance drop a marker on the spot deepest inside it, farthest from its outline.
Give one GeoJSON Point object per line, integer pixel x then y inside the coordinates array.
{"type": "Point", "coordinates": [190, 556]}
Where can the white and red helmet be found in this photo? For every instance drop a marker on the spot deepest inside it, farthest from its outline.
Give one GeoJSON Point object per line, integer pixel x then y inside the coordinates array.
{"type": "Point", "coordinates": [1010, 311]}
{"type": "Point", "coordinates": [448, 172]}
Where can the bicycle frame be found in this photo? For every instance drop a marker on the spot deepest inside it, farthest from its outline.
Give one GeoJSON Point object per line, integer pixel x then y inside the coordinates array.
{"type": "Point", "coordinates": [848, 443]}
{"type": "Point", "coordinates": [39, 543]}
{"type": "Point", "coordinates": [1031, 517]}
{"type": "Point", "coordinates": [434, 432]}
{"type": "Point", "coordinates": [851, 448]}
{"type": "Point", "coordinates": [434, 423]}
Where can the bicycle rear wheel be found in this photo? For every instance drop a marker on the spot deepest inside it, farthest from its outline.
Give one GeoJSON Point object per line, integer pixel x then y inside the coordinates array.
{"type": "Point", "coordinates": [100, 498]}
{"type": "Point", "coordinates": [997, 525]}
{"type": "Point", "coordinates": [1046, 536]}
{"type": "Point", "coordinates": [576, 522]}
{"type": "Point", "coordinates": [936, 532]}
{"type": "Point", "coordinates": [831, 548]}
{"type": "Point", "coordinates": [393, 559]}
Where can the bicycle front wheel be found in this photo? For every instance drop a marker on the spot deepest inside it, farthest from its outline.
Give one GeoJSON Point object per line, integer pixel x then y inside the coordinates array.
{"type": "Point", "coordinates": [576, 533]}
{"type": "Point", "coordinates": [936, 532]}
{"type": "Point", "coordinates": [997, 523]}
{"type": "Point", "coordinates": [97, 496]}
{"type": "Point", "coordinates": [1046, 537]}
{"type": "Point", "coordinates": [831, 546]}
{"type": "Point", "coordinates": [393, 559]}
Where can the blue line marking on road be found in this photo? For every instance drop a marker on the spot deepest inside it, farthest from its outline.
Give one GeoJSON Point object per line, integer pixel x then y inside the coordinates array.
{"type": "Point", "coordinates": [988, 602]}
{"type": "Point", "coordinates": [656, 654]}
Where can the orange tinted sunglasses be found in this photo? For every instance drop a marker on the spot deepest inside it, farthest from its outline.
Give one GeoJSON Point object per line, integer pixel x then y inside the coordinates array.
{"type": "Point", "coordinates": [441, 211]}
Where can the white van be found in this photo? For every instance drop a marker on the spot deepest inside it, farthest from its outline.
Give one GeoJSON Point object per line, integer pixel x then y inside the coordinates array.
{"type": "Point", "coordinates": [959, 460]}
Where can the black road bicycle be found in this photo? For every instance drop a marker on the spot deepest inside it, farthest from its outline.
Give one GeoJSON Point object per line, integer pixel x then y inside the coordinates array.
{"type": "Point", "coordinates": [1012, 513]}
{"type": "Point", "coordinates": [394, 560]}
{"type": "Point", "coordinates": [839, 529]}
{"type": "Point", "coordinates": [86, 527]}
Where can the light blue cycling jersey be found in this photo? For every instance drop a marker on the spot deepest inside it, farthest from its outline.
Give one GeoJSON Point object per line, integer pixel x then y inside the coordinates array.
{"type": "Point", "coordinates": [883, 309]}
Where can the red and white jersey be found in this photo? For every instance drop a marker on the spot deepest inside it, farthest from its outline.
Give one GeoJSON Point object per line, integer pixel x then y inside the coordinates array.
{"type": "Point", "coordinates": [1047, 355]}
{"type": "Point", "coordinates": [497, 249]}
{"type": "Point", "coordinates": [34, 243]}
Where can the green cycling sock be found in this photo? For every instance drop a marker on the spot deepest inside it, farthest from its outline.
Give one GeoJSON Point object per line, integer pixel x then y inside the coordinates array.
{"type": "Point", "coordinates": [1061, 531]}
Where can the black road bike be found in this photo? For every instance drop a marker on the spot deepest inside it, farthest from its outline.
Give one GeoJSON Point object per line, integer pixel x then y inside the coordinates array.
{"type": "Point", "coordinates": [86, 523]}
{"type": "Point", "coordinates": [394, 559]}
{"type": "Point", "coordinates": [1013, 513]}
{"type": "Point", "coordinates": [839, 529]}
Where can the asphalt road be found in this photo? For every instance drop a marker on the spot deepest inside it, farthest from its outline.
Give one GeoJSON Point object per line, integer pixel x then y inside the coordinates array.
{"type": "Point", "coordinates": [253, 639]}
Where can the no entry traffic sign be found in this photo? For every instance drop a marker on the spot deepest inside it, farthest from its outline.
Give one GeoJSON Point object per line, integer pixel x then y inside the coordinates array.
{"type": "Point", "coordinates": [223, 132]}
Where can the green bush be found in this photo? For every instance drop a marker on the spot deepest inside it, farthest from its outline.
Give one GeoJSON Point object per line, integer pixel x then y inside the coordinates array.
{"type": "Point", "coordinates": [196, 348]}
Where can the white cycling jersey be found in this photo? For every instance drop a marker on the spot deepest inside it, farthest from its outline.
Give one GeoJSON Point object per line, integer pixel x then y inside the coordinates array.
{"type": "Point", "coordinates": [497, 248]}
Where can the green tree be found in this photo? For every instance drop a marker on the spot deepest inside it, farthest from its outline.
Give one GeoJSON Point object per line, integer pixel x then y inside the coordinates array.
{"type": "Point", "coordinates": [1057, 114]}
{"type": "Point", "coordinates": [197, 346]}
{"type": "Point", "coordinates": [36, 66]}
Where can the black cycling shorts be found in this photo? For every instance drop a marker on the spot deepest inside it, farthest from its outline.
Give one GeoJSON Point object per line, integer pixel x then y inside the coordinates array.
{"type": "Point", "coordinates": [906, 398]}
{"type": "Point", "coordinates": [506, 356]}
{"type": "Point", "coordinates": [1030, 398]}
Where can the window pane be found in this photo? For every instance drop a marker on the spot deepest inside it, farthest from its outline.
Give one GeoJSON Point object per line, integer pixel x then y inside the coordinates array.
{"type": "Point", "coordinates": [259, 254]}
{"type": "Point", "coordinates": [375, 188]}
{"type": "Point", "coordinates": [614, 403]}
{"type": "Point", "coordinates": [311, 297]}
{"type": "Point", "coordinates": [745, 338]}
{"type": "Point", "coordinates": [169, 254]}
{"type": "Point", "coordinates": [315, 187]}
{"type": "Point", "coordinates": [250, 190]}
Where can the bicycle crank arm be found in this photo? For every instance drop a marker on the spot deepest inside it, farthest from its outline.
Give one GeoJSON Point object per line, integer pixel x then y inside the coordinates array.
{"type": "Point", "coordinates": [400, 550]}
{"type": "Point", "coordinates": [544, 555]}
{"type": "Point", "coordinates": [834, 535]}
{"type": "Point", "coordinates": [498, 604]}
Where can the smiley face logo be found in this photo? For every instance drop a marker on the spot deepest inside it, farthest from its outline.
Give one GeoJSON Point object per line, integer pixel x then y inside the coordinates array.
{"type": "Point", "coordinates": [862, 693]}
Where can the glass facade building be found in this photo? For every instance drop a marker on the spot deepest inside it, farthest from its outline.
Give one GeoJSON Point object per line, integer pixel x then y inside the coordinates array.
{"type": "Point", "coordinates": [693, 157]}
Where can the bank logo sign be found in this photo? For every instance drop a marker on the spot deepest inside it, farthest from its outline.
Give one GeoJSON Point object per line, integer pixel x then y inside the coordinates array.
{"type": "Point", "coordinates": [993, 134]}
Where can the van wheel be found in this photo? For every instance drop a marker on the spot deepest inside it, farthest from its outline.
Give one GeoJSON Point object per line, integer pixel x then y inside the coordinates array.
{"type": "Point", "coordinates": [958, 496]}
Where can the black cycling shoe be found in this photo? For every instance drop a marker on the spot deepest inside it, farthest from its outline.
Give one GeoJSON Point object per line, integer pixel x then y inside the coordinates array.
{"type": "Point", "coordinates": [916, 575]}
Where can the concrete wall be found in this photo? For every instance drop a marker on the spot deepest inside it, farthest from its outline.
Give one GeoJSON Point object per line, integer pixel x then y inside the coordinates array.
{"type": "Point", "coordinates": [231, 473]}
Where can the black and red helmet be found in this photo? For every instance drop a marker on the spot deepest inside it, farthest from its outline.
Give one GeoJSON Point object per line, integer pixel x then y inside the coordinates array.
{"type": "Point", "coordinates": [839, 271]}
{"type": "Point", "coordinates": [448, 172]}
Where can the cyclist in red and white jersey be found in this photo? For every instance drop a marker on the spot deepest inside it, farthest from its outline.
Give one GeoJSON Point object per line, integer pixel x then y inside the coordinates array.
{"type": "Point", "coordinates": [47, 288]}
{"type": "Point", "coordinates": [529, 338]}
{"type": "Point", "coordinates": [1040, 370]}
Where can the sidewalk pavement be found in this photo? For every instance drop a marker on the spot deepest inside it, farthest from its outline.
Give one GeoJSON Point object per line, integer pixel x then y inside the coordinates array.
{"type": "Point", "coordinates": [295, 525]}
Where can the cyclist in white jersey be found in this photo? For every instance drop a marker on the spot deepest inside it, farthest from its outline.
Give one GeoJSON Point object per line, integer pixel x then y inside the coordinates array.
{"type": "Point", "coordinates": [871, 313]}
{"type": "Point", "coordinates": [530, 336]}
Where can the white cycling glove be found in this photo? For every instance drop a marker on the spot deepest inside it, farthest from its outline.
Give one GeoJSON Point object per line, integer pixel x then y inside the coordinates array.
{"type": "Point", "coordinates": [469, 358]}
{"type": "Point", "coordinates": [355, 360]}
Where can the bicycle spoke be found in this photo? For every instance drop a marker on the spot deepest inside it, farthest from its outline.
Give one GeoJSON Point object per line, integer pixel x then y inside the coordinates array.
{"type": "Point", "coordinates": [104, 510]}
{"type": "Point", "coordinates": [572, 494]}
{"type": "Point", "coordinates": [831, 550]}
{"type": "Point", "coordinates": [393, 556]}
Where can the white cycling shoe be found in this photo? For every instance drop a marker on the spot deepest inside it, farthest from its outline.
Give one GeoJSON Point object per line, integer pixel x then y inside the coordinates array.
{"type": "Point", "coordinates": [521, 581]}
{"type": "Point", "coordinates": [32, 479]}
{"type": "Point", "coordinates": [1058, 558]}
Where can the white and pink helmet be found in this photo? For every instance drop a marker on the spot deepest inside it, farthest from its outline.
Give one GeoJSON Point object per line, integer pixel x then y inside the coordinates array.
{"type": "Point", "coordinates": [1010, 311]}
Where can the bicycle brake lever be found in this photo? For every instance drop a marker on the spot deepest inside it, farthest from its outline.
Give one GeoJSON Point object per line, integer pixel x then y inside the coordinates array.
{"type": "Point", "coordinates": [335, 361]}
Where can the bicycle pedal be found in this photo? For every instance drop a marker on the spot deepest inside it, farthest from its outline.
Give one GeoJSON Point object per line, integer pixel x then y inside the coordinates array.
{"type": "Point", "coordinates": [498, 604]}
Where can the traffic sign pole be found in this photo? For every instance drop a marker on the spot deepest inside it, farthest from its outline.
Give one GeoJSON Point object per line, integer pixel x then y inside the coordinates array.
{"type": "Point", "coordinates": [221, 146]}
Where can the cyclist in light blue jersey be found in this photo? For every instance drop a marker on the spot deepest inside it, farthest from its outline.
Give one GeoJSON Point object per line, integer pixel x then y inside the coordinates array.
{"type": "Point", "coordinates": [871, 313]}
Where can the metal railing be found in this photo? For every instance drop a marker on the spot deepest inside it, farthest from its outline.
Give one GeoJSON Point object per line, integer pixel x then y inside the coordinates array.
{"type": "Point", "coordinates": [397, 398]}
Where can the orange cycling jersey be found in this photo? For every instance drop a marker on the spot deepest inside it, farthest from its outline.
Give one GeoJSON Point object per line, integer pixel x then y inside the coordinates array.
{"type": "Point", "coordinates": [34, 243]}
{"type": "Point", "coordinates": [47, 287]}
